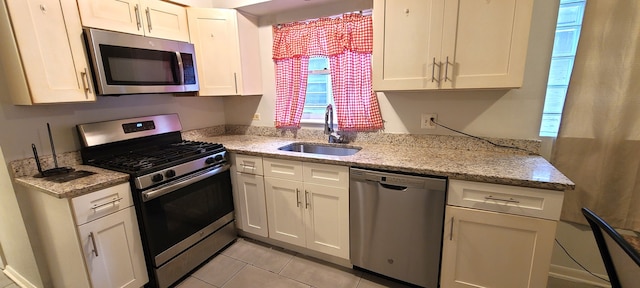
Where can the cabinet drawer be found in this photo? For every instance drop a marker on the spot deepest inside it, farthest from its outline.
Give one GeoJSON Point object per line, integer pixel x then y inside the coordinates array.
{"type": "Point", "coordinates": [325, 174]}
{"type": "Point", "coordinates": [284, 169]}
{"type": "Point", "coordinates": [248, 164]}
{"type": "Point", "coordinates": [533, 202]}
{"type": "Point", "coordinates": [100, 203]}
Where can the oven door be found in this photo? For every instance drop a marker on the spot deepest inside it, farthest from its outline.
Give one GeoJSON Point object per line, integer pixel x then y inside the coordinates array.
{"type": "Point", "coordinates": [178, 214]}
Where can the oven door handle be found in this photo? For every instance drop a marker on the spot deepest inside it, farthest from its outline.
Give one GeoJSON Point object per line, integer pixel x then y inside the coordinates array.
{"type": "Point", "coordinates": [170, 187]}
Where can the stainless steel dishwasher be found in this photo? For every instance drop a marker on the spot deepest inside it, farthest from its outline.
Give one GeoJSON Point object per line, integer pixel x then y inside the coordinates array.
{"type": "Point", "coordinates": [396, 224]}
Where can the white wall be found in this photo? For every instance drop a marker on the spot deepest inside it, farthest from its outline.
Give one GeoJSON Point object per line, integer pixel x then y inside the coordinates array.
{"type": "Point", "coordinates": [492, 113]}
{"type": "Point", "coordinates": [22, 125]}
{"type": "Point", "coordinates": [13, 234]}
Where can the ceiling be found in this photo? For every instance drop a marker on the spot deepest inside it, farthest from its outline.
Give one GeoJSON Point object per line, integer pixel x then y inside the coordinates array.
{"type": "Point", "coordinates": [278, 6]}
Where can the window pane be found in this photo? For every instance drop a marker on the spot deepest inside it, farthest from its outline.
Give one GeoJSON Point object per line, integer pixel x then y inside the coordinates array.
{"type": "Point", "coordinates": [315, 99]}
{"type": "Point", "coordinates": [316, 87]}
{"type": "Point", "coordinates": [566, 41]}
{"type": "Point", "coordinates": [560, 71]}
{"type": "Point", "coordinates": [555, 99]}
{"type": "Point", "coordinates": [318, 63]}
{"type": "Point", "coordinates": [564, 49]}
{"type": "Point", "coordinates": [318, 78]}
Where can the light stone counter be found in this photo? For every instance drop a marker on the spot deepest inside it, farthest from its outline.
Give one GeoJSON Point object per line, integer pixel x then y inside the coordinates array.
{"type": "Point", "coordinates": [454, 157]}
{"type": "Point", "coordinates": [482, 166]}
{"type": "Point", "coordinates": [101, 180]}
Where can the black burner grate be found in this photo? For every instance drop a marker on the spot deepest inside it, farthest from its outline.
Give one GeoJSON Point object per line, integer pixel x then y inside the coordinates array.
{"type": "Point", "coordinates": [172, 154]}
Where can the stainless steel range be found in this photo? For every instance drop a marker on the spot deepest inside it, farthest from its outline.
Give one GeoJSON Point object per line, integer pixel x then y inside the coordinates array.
{"type": "Point", "coordinates": [181, 189]}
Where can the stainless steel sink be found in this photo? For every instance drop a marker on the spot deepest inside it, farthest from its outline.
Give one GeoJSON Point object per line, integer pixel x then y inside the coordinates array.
{"type": "Point", "coordinates": [324, 149]}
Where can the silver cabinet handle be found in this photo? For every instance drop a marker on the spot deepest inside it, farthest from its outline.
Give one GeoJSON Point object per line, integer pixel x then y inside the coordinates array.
{"type": "Point", "coordinates": [85, 80]}
{"type": "Point", "coordinates": [451, 233]}
{"type": "Point", "coordinates": [114, 202]}
{"type": "Point", "coordinates": [148, 18]}
{"type": "Point", "coordinates": [433, 69]}
{"type": "Point", "coordinates": [306, 199]}
{"type": "Point", "coordinates": [298, 198]}
{"type": "Point", "coordinates": [137, 10]}
{"type": "Point", "coordinates": [235, 81]}
{"type": "Point", "coordinates": [93, 242]}
{"type": "Point", "coordinates": [510, 200]}
{"type": "Point", "coordinates": [446, 70]}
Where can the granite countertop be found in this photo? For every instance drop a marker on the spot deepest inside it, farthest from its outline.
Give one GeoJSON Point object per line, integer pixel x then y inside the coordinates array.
{"type": "Point", "coordinates": [517, 169]}
{"type": "Point", "coordinates": [100, 180]}
{"type": "Point", "coordinates": [482, 166]}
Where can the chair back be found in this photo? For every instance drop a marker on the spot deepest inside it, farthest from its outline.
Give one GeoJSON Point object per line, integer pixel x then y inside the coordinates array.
{"type": "Point", "coordinates": [620, 259]}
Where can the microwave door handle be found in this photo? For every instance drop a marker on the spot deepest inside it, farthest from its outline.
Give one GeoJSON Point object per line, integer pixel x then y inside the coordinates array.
{"type": "Point", "coordinates": [180, 67]}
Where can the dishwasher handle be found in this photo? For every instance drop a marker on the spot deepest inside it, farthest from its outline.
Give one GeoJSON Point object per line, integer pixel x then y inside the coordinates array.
{"type": "Point", "coordinates": [393, 187]}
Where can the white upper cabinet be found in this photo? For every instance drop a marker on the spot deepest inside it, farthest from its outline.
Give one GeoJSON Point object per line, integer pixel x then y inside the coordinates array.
{"type": "Point", "coordinates": [227, 51]}
{"type": "Point", "coordinates": [42, 52]}
{"type": "Point", "coordinates": [151, 18]}
{"type": "Point", "coordinates": [450, 44]}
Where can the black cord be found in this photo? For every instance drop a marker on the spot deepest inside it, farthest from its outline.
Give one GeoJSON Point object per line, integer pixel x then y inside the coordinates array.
{"type": "Point", "coordinates": [482, 139]}
{"type": "Point", "coordinates": [574, 260]}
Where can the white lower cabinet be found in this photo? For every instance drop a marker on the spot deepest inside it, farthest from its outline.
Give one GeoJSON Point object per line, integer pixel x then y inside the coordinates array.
{"type": "Point", "coordinates": [308, 205]}
{"type": "Point", "coordinates": [304, 204]}
{"type": "Point", "coordinates": [252, 202]}
{"type": "Point", "coordinates": [90, 240]}
{"type": "Point", "coordinates": [109, 244]}
{"type": "Point", "coordinates": [484, 248]}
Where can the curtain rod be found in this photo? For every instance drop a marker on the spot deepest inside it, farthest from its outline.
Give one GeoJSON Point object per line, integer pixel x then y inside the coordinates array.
{"type": "Point", "coordinates": [366, 12]}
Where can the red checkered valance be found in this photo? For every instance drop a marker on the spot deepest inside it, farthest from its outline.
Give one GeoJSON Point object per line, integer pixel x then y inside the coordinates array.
{"type": "Point", "coordinates": [323, 37]}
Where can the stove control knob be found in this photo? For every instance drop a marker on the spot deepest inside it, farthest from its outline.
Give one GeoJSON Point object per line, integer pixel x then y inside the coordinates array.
{"type": "Point", "coordinates": [170, 173]}
{"type": "Point", "coordinates": [218, 157]}
{"type": "Point", "coordinates": [157, 178]}
{"type": "Point", "coordinates": [210, 160]}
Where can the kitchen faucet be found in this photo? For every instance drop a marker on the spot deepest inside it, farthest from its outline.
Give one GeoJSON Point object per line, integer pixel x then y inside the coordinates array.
{"type": "Point", "coordinates": [328, 126]}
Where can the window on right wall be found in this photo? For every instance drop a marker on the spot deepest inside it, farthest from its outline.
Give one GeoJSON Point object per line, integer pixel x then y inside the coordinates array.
{"type": "Point", "coordinates": [564, 51]}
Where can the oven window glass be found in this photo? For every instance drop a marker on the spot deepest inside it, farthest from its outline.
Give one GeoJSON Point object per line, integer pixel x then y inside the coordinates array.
{"type": "Point", "coordinates": [177, 215]}
{"type": "Point", "coordinates": [134, 66]}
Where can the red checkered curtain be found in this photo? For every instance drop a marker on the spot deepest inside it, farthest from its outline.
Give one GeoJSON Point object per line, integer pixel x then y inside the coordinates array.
{"type": "Point", "coordinates": [356, 104]}
{"type": "Point", "coordinates": [291, 89]}
{"type": "Point", "coordinates": [348, 42]}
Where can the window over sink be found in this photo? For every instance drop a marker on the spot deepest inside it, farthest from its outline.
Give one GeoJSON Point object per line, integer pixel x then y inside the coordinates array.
{"type": "Point", "coordinates": [318, 91]}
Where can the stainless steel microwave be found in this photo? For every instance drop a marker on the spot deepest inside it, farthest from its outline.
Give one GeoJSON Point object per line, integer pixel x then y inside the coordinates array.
{"type": "Point", "coordinates": [131, 64]}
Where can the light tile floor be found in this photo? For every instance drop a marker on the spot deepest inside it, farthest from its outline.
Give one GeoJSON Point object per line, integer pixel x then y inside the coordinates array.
{"type": "Point", "coordinates": [248, 263]}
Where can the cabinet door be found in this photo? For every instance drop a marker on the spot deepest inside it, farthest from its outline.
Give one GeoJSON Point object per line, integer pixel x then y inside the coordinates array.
{"type": "Point", "coordinates": [165, 20]}
{"type": "Point", "coordinates": [406, 47]}
{"type": "Point", "coordinates": [49, 36]}
{"type": "Point", "coordinates": [489, 249]}
{"type": "Point", "coordinates": [285, 206]}
{"type": "Point", "coordinates": [327, 219]}
{"type": "Point", "coordinates": [214, 33]}
{"type": "Point", "coordinates": [252, 203]}
{"type": "Point", "coordinates": [485, 43]}
{"type": "Point", "coordinates": [113, 250]}
{"type": "Point", "coordinates": [115, 15]}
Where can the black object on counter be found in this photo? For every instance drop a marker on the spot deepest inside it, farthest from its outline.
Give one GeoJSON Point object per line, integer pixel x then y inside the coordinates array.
{"type": "Point", "coordinates": [53, 171]}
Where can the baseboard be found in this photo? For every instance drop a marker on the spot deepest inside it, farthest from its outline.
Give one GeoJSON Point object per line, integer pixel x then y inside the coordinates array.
{"type": "Point", "coordinates": [16, 277]}
{"type": "Point", "coordinates": [577, 275]}
{"type": "Point", "coordinates": [302, 250]}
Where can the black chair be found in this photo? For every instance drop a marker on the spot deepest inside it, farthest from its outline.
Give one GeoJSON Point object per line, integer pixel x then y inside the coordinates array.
{"type": "Point", "coordinates": [620, 259]}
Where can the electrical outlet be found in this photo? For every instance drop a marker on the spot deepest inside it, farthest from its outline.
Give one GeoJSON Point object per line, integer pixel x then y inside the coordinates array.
{"type": "Point", "coordinates": [426, 123]}
{"type": "Point", "coordinates": [256, 116]}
